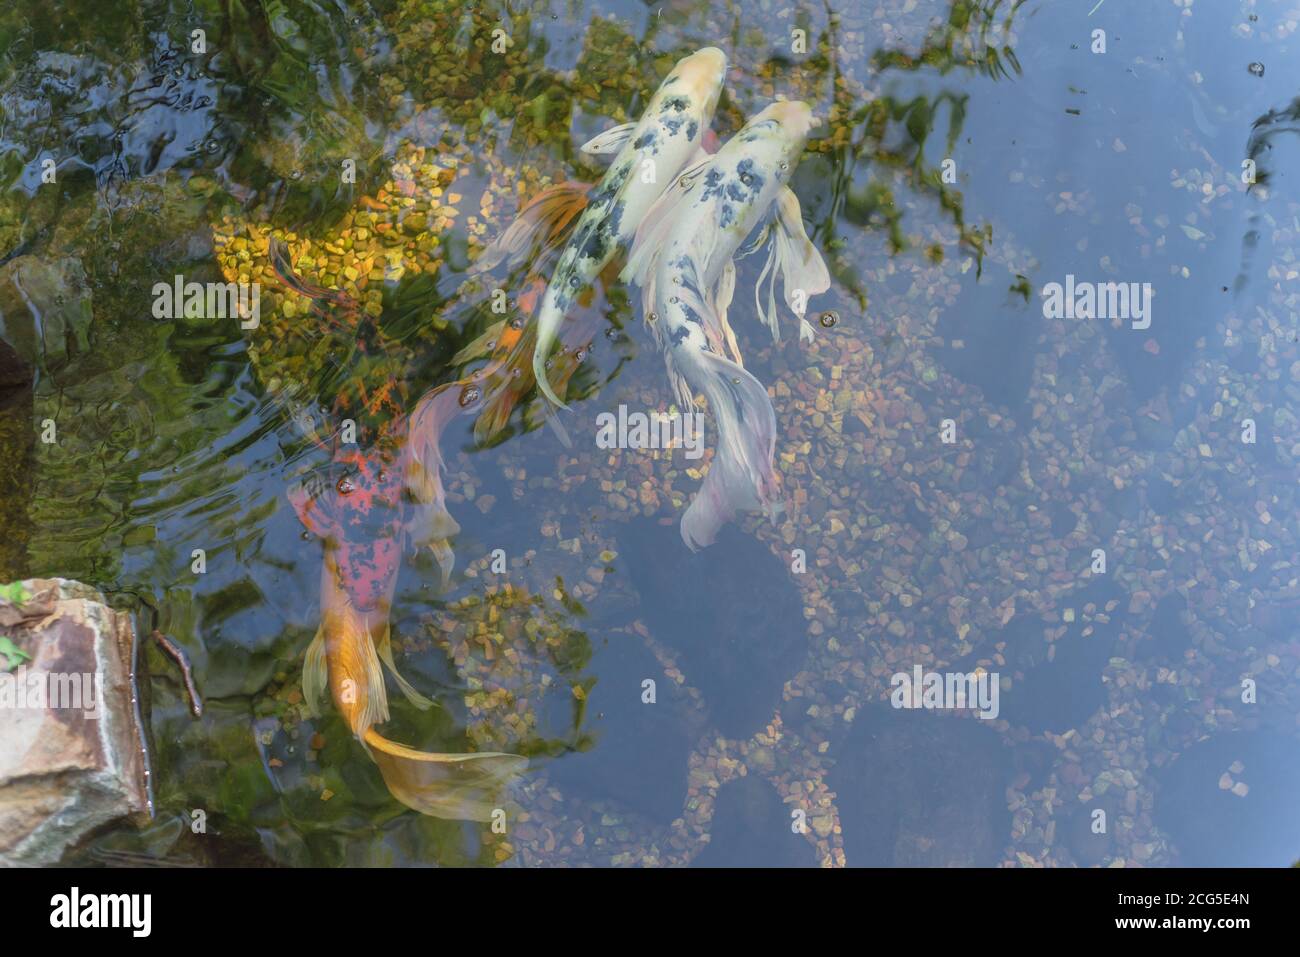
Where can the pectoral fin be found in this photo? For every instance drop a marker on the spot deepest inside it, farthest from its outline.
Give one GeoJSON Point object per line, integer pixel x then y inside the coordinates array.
{"type": "Point", "coordinates": [610, 141]}
{"type": "Point", "coordinates": [541, 227]}
{"type": "Point", "coordinates": [792, 255]}
{"type": "Point", "coordinates": [724, 337]}
{"type": "Point", "coordinates": [385, 649]}
{"type": "Point", "coordinates": [315, 674]}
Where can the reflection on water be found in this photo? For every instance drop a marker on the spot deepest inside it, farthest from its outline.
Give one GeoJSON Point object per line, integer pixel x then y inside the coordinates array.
{"type": "Point", "coordinates": [1100, 533]}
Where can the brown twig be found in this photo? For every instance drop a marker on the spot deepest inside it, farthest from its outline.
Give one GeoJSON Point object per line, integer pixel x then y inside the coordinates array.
{"type": "Point", "coordinates": [177, 654]}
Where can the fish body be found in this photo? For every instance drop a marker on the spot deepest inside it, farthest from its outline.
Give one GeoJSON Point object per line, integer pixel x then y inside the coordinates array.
{"type": "Point", "coordinates": [367, 509]}
{"type": "Point", "coordinates": [648, 155]}
{"type": "Point", "coordinates": [683, 258]}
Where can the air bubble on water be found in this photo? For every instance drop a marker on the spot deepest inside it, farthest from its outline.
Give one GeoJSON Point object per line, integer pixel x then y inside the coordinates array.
{"type": "Point", "coordinates": [345, 485]}
{"type": "Point", "coordinates": [1256, 69]}
{"type": "Point", "coordinates": [611, 333]}
{"type": "Point", "coordinates": [468, 396]}
{"type": "Point", "coordinates": [828, 319]}
{"type": "Point", "coordinates": [653, 316]}
{"type": "Point", "coordinates": [517, 322]}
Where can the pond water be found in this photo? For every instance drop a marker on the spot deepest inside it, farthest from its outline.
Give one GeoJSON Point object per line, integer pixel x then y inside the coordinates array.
{"type": "Point", "coordinates": [1098, 512]}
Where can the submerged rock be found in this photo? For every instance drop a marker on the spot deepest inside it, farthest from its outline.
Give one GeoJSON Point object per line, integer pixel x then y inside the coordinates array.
{"type": "Point", "coordinates": [751, 828]}
{"type": "Point", "coordinates": [640, 754]}
{"type": "Point", "coordinates": [1229, 801]}
{"type": "Point", "coordinates": [919, 789]}
{"type": "Point", "coordinates": [1062, 692]}
{"type": "Point", "coordinates": [731, 613]}
{"type": "Point", "coordinates": [71, 745]}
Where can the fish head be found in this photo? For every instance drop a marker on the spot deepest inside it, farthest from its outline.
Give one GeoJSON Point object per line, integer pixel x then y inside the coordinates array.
{"type": "Point", "coordinates": [682, 108]}
{"type": "Point", "coordinates": [740, 182]}
{"type": "Point", "coordinates": [700, 76]}
{"type": "Point", "coordinates": [775, 137]}
{"type": "Point", "coordinates": [355, 507]}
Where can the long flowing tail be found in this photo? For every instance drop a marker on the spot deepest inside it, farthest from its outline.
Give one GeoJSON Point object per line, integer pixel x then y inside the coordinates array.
{"type": "Point", "coordinates": [741, 476]}
{"type": "Point", "coordinates": [548, 322]}
{"type": "Point", "coordinates": [541, 228]}
{"type": "Point", "coordinates": [345, 655]}
{"type": "Point", "coordinates": [459, 787]}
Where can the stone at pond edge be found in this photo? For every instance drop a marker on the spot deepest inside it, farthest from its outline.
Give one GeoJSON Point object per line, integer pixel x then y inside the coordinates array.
{"type": "Point", "coordinates": [66, 771]}
{"type": "Point", "coordinates": [44, 305]}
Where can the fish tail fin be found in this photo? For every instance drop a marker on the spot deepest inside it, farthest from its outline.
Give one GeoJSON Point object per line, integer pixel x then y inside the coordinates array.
{"type": "Point", "coordinates": [456, 787]}
{"type": "Point", "coordinates": [539, 374]}
{"type": "Point", "coordinates": [480, 346]}
{"type": "Point", "coordinates": [541, 226]}
{"type": "Point", "coordinates": [451, 786]}
{"type": "Point", "coordinates": [741, 476]}
{"type": "Point", "coordinates": [505, 386]}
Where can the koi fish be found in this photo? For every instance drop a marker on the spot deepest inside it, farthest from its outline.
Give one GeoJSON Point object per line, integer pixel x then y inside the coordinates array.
{"type": "Point", "coordinates": [684, 260]}
{"type": "Point", "coordinates": [360, 512]}
{"type": "Point", "coordinates": [368, 509]}
{"type": "Point", "coordinates": [504, 380]}
{"type": "Point", "coordinates": [667, 136]}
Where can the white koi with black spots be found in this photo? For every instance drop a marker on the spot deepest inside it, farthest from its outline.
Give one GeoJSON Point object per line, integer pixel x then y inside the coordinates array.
{"type": "Point", "coordinates": [650, 153]}
{"type": "Point", "coordinates": [683, 258]}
